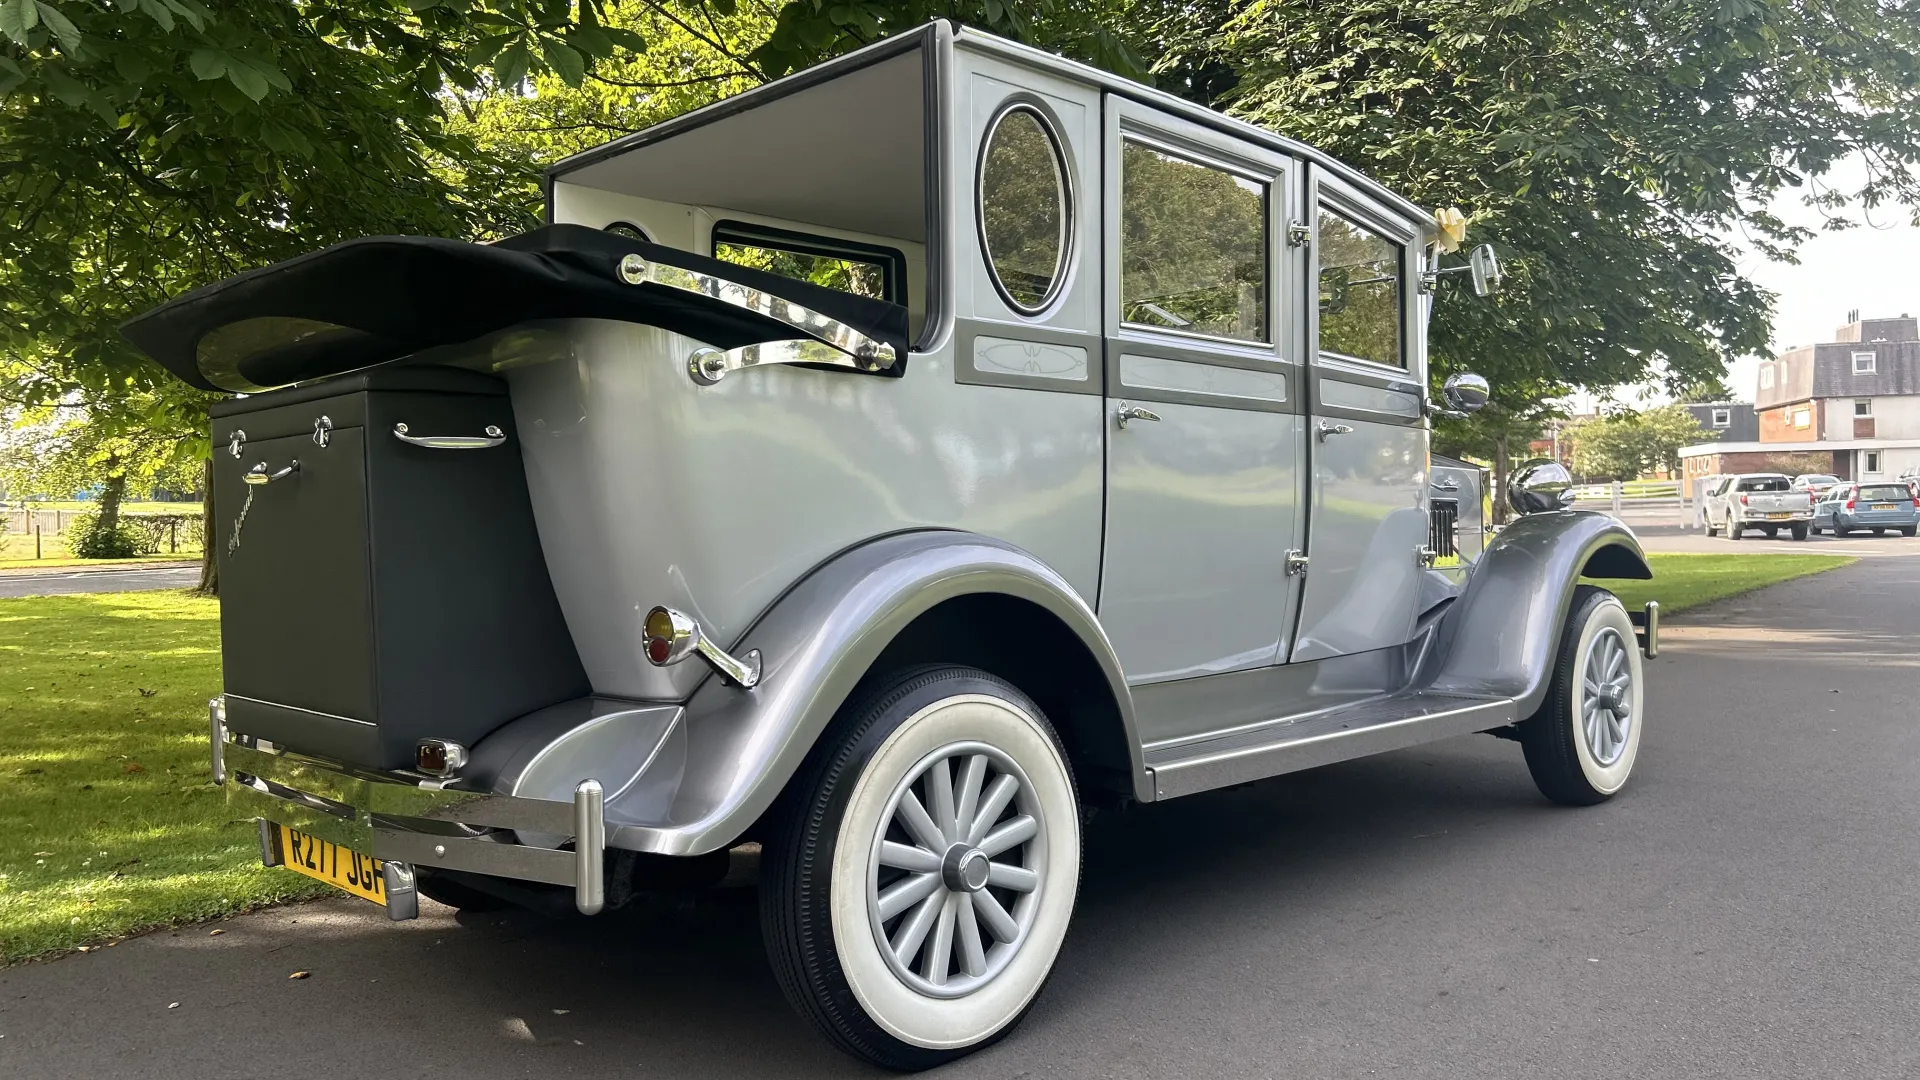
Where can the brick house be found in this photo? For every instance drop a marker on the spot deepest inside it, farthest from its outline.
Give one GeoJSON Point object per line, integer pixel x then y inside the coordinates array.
{"type": "Point", "coordinates": [1852, 403]}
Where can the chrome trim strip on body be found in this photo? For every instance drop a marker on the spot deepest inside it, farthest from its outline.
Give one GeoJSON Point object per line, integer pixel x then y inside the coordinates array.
{"type": "Point", "coordinates": [1305, 744]}
{"type": "Point", "coordinates": [295, 708]}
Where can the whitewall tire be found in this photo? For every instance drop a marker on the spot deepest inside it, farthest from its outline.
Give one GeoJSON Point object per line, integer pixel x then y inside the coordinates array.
{"type": "Point", "coordinates": [1582, 743]}
{"type": "Point", "coordinates": [919, 881]}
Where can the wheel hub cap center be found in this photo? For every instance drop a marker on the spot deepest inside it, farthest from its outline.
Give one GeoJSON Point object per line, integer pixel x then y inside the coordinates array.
{"type": "Point", "coordinates": [965, 869]}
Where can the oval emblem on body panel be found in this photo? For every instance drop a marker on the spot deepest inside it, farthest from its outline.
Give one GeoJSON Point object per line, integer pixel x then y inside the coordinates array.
{"type": "Point", "coordinates": [1038, 359]}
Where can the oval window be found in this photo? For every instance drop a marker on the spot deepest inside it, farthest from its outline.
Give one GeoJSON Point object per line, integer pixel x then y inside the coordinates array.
{"type": "Point", "coordinates": [1025, 211]}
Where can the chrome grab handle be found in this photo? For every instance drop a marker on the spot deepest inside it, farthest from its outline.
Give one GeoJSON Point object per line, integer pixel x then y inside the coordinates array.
{"type": "Point", "coordinates": [1327, 429]}
{"type": "Point", "coordinates": [1128, 412]}
{"type": "Point", "coordinates": [494, 437]}
{"type": "Point", "coordinates": [259, 475]}
{"type": "Point", "coordinates": [1449, 484]}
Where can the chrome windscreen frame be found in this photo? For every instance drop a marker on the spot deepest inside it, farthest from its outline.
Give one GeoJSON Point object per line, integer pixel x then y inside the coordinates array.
{"type": "Point", "coordinates": [415, 821]}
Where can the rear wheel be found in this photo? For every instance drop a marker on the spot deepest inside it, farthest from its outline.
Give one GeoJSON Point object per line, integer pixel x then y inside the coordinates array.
{"type": "Point", "coordinates": [1733, 528]}
{"type": "Point", "coordinates": [918, 884]}
{"type": "Point", "coordinates": [1908, 530]}
{"type": "Point", "coordinates": [1800, 532]}
{"type": "Point", "coordinates": [1773, 532]}
{"type": "Point", "coordinates": [1582, 741]}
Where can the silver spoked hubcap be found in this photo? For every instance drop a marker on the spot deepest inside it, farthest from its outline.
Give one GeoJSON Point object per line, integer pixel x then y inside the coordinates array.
{"type": "Point", "coordinates": [956, 872]}
{"type": "Point", "coordinates": [1606, 697]}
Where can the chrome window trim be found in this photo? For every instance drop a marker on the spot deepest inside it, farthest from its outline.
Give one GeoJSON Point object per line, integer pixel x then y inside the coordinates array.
{"type": "Point", "coordinates": [1064, 262]}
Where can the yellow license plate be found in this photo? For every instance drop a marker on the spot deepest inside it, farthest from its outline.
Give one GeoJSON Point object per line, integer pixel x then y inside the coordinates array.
{"type": "Point", "coordinates": [1778, 517]}
{"type": "Point", "coordinates": [1883, 506]}
{"type": "Point", "coordinates": [343, 868]}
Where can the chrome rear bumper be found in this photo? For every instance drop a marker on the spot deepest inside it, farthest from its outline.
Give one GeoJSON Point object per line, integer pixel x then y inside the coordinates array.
{"type": "Point", "coordinates": [414, 822]}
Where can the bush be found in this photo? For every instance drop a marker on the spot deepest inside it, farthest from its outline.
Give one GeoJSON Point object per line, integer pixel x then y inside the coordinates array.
{"type": "Point", "coordinates": [160, 534]}
{"type": "Point", "coordinates": [88, 540]}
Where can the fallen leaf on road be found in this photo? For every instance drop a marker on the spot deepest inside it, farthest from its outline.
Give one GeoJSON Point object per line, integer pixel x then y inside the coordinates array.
{"type": "Point", "coordinates": [215, 933]}
{"type": "Point", "coordinates": [134, 766]}
{"type": "Point", "coordinates": [561, 1012]}
{"type": "Point", "coordinates": [300, 975]}
{"type": "Point", "coordinates": [174, 1005]}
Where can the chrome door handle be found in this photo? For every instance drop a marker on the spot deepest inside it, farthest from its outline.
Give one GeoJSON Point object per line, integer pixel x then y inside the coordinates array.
{"type": "Point", "coordinates": [1128, 412]}
{"type": "Point", "coordinates": [1325, 429]}
{"type": "Point", "coordinates": [493, 437]}
{"type": "Point", "coordinates": [259, 475]}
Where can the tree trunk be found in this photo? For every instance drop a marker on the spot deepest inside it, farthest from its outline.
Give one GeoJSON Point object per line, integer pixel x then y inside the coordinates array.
{"type": "Point", "coordinates": [209, 566]}
{"type": "Point", "coordinates": [1500, 479]}
{"type": "Point", "coordinates": [112, 493]}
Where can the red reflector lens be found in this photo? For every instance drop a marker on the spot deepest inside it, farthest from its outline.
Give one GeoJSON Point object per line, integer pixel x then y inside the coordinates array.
{"type": "Point", "coordinates": [432, 758]}
{"type": "Point", "coordinates": [658, 649]}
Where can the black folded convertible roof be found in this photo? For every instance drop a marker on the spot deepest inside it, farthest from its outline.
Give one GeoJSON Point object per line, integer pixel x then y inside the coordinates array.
{"type": "Point", "coordinates": [379, 299]}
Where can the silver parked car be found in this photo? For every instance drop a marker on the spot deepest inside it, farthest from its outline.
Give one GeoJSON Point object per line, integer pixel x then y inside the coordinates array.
{"type": "Point", "coordinates": [1765, 501]}
{"type": "Point", "coordinates": [882, 466]}
{"type": "Point", "coordinates": [1875, 508]}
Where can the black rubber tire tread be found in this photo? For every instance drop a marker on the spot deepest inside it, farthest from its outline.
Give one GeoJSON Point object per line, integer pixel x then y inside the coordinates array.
{"type": "Point", "coordinates": [1908, 530]}
{"type": "Point", "coordinates": [1547, 736]}
{"type": "Point", "coordinates": [1800, 532]}
{"type": "Point", "coordinates": [797, 857]}
{"type": "Point", "coordinates": [1733, 528]}
{"type": "Point", "coordinates": [455, 894]}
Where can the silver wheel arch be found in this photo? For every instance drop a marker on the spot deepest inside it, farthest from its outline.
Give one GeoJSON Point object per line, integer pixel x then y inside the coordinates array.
{"type": "Point", "coordinates": [1500, 637]}
{"type": "Point", "coordinates": [819, 639]}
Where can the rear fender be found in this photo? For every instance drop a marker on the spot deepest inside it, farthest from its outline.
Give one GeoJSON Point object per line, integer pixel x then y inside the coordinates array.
{"type": "Point", "coordinates": [1499, 638]}
{"type": "Point", "coordinates": [816, 643]}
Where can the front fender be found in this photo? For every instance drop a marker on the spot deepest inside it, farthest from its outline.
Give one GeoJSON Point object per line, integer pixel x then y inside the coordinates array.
{"type": "Point", "coordinates": [816, 642]}
{"type": "Point", "coordinates": [1499, 638]}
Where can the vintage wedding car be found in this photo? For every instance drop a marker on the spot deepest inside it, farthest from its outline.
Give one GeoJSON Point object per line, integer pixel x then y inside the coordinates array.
{"type": "Point", "coordinates": [880, 466]}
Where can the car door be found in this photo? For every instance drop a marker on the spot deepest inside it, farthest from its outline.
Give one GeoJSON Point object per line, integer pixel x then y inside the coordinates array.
{"type": "Point", "coordinates": [1204, 436]}
{"type": "Point", "coordinates": [1367, 523]}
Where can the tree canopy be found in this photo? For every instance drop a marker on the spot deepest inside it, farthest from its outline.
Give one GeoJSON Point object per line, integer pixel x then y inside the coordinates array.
{"type": "Point", "coordinates": [1626, 445]}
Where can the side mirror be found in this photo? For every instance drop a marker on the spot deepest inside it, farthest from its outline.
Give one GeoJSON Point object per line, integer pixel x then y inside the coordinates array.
{"type": "Point", "coordinates": [1486, 270]}
{"type": "Point", "coordinates": [1465, 392]}
{"type": "Point", "coordinates": [1539, 486]}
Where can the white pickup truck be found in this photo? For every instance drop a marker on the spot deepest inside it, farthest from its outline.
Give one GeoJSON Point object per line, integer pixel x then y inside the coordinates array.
{"type": "Point", "coordinates": [1766, 501]}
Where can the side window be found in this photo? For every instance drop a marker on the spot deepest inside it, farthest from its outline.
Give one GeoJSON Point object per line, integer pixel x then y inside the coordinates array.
{"type": "Point", "coordinates": [1026, 210]}
{"type": "Point", "coordinates": [1360, 309]}
{"type": "Point", "coordinates": [851, 267]}
{"type": "Point", "coordinates": [1193, 246]}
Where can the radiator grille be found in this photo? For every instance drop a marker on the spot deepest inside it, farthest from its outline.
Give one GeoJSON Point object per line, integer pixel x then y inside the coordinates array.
{"type": "Point", "coordinates": [1444, 522]}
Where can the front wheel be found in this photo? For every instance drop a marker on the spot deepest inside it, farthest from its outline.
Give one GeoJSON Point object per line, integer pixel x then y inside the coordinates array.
{"type": "Point", "coordinates": [1582, 741]}
{"type": "Point", "coordinates": [919, 880]}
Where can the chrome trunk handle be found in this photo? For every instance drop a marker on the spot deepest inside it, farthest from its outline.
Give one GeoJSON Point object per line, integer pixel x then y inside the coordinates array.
{"type": "Point", "coordinates": [259, 474]}
{"type": "Point", "coordinates": [493, 437]}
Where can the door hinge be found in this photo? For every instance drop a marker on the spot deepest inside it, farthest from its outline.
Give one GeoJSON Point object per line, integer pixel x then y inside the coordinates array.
{"type": "Point", "coordinates": [1425, 556]}
{"type": "Point", "coordinates": [1296, 563]}
{"type": "Point", "coordinates": [1298, 233]}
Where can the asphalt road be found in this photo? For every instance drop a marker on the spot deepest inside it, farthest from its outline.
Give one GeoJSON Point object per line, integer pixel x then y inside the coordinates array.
{"type": "Point", "coordinates": [59, 583]}
{"type": "Point", "coordinates": [1746, 909]}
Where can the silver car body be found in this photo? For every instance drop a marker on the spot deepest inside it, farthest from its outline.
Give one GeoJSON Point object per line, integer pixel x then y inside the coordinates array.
{"type": "Point", "coordinates": [1758, 500]}
{"type": "Point", "coordinates": [1236, 584]}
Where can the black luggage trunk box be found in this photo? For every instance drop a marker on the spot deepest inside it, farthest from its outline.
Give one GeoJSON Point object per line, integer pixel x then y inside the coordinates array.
{"type": "Point", "coordinates": [382, 591]}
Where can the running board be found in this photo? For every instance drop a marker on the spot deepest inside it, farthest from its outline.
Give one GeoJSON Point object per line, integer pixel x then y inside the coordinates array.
{"type": "Point", "coordinates": [1339, 734]}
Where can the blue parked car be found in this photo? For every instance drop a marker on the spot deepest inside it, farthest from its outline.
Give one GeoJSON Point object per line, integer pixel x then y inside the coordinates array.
{"type": "Point", "coordinates": [1872, 507]}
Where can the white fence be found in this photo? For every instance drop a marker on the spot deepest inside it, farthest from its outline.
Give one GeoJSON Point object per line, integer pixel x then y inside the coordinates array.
{"type": "Point", "coordinates": [1646, 502]}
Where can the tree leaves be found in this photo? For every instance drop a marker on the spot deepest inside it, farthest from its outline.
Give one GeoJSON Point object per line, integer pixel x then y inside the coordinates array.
{"type": "Point", "coordinates": [17, 17]}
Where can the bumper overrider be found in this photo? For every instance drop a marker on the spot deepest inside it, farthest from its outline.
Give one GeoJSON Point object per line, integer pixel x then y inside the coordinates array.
{"type": "Point", "coordinates": [408, 821]}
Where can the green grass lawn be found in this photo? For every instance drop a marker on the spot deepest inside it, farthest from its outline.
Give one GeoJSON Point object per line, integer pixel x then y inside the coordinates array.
{"type": "Point", "coordinates": [108, 820]}
{"type": "Point", "coordinates": [1681, 581]}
